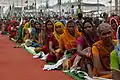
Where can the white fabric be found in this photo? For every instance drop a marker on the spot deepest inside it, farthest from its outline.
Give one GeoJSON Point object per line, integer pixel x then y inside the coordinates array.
{"type": "Point", "coordinates": [44, 57]}
{"type": "Point", "coordinates": [39, 54]}
{"type": "Point", "coordinates": [54, 66]}
{"type": "Point", "coordinates": [28, 42]}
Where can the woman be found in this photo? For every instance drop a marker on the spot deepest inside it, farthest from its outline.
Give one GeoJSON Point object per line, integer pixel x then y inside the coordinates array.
{"type": "Point", "coordinates": [53, 44]}
{"type": "Point", "coordinates": [19, 38]}
{"type": "Point", "coordinates": [26, 31]}
{"type": "Point", "coordinates": [101, 51]}
{"type": "Point", "coordinates": [37, 38]}
{"type": "Point", "coordinates": [12, 29]}
{"type": "Point", "coordinates": [115, 58]}
{"type": "Point", "coordinates": [46, 36]}
{"type": "Point", "coordinates": [68, 39]}
{"type": "Point", "coordinates": [4, 28]}
{"type": "Point", "coordinates": [84, 44]}
{"type": "Point", "coordinates": [114, 22]}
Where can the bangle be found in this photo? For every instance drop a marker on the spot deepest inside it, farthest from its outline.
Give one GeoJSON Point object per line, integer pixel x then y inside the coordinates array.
{"type": "Point", "coordinates": [88, 54]}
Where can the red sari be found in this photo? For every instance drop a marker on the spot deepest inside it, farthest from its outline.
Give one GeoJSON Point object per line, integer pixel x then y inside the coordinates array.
{"type": "Point", "coordinates": [12, 29]}
{"type": "Point", "coordinates": [116, 20]}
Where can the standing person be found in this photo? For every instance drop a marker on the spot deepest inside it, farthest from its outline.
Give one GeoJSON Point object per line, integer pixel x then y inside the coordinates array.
{"type": "Point", "coordinates": [101, 51]}
{"type": "Point", "coordinates": [80, 21]}
{"type": "Point", "coordinates": [105, 18]}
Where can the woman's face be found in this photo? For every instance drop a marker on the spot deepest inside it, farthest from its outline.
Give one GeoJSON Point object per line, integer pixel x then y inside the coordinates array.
{"type": "Point", "coordinates": [88, 28]}
{"type": "Point", "coordinates": [71, 27]}
{"type": "Point", "coordinates": [58, 29]}
{"type": "Point", "coordinates": [38, 26]}
{"type": "Point", "coordinates": [114, 25]}
{"type": "Point", "coordinates": [49, 25]}
{"type": "Point", "coordinates": [106, 35]}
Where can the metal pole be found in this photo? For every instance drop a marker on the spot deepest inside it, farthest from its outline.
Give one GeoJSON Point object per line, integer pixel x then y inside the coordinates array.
{"type": "Point", "coordinates": [116, 6]}
{"type": "Point", "coordinates": [35, 8]}
{"type": "Point", "coordinates": [119, 7]}
{"type": "Point", "coordinates": [59, 4]}
{"type": "Point", "coordinates": [98, 6]}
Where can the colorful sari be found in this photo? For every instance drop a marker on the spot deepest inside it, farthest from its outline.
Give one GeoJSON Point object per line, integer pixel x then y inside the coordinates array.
{"type": "Point", "coordinates": [26, 26]}
{"type": "Point", "coordinates": [68, 41]}
{"type": "Point", "coordinates": [104, 58]}
{"type": "Point", "coordinates": [12, 29]}
{"type": "Point", "coordinates": [115, 54]}
{"type": "Point", "coordinates": [114, 28]}
{"type": "Point", "coordinates": [57, 36]}
{"type": "Point", "coordinates": [54, 38]}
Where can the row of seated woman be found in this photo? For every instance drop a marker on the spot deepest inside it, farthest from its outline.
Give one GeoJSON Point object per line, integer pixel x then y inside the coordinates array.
{"type": "Point", "coordinates": [88, 50]}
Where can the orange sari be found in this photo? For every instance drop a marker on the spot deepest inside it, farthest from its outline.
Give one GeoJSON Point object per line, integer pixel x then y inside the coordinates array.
{"type": "Point", "coordinates": [104, 58]}
{"type": "Point", "coordinates": [68, 41]}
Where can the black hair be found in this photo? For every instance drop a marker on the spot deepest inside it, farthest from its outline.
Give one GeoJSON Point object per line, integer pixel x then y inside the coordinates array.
{"type": "Point", "coordinates": [47, 23]}
{"type": "Point", "coordinates": [86, 22]}
{"type": "Point", "coordinates": [80, 15]}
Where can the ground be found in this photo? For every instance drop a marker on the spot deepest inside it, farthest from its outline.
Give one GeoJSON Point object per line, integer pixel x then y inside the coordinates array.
{"type": "Point", "coordinates": [18, 64]}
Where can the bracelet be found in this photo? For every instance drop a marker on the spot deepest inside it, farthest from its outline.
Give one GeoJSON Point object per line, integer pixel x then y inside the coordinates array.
{"type": "Point", "coordinates": [88, 54]}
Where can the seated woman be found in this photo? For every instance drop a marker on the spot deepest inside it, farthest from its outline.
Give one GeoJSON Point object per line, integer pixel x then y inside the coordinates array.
{"type": "Point", "coordinates": [101, 51]}
{"type": "Point", "coordinates": [53, 43]}
{"type": "Point", "coordinates": [37, 39]}
{"type": "Point", "coordinates": [21, 26]}
{"type": "Point", "coordinates": [4, 28]}
{"type": "Point", "coordinates": [27, 30]}
{"type": "Point", "coordinates": [46, 34]}
{"type": "Point", "coordinates": [68, 38]}
{"type": "Point", "coordinates": [84, 44]}
{"type": "Point", "coordinates": [115, 58]}
{"type": "Point", "coordinates": [12, 29]}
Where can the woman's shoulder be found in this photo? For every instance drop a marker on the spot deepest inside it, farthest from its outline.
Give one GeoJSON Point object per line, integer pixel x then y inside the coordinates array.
{"type": "Point", "coordinates": [97, 43]}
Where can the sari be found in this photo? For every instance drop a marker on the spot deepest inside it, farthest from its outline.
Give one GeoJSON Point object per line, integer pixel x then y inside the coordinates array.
{"type": "Point", "coordinates": [68, 41]}
{"type": "Point", "coordinates": [54, 38]}
{"type": "Point", "coordinates": [114, 28]}
{"type": "Point", "coordinates": [104, 58]}
{"type": "Point", "coordinates": [57, 36]}
{"type": "Point", "coordinates": [115, 54]}
{"type": "Point", "coordinates": [12, 29]}
{"type": "Point", "coordinates": [26, 26]}
{"type": "Point", "coordinates": [19, 38]}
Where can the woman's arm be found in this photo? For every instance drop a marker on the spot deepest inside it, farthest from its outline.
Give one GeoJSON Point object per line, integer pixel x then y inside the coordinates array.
{"type": "Point", "coordinates": [97, 63]}
{"type": "Point", "coordinates": [50, 47]}
{"type": "Point", "coordinates": [84, 52]}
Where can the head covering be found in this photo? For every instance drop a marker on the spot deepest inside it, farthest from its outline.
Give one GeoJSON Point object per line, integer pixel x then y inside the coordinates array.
{"type": "Point", "coordinates": [77, 33]}
{"type": "Point", "coordinates": [63, 21]}
{"type": "Point", "coordinates": [69, 40]}
{"type": "Point", "coordinates": [46, 26]}
{"type": "Point", "coordinates": [115, 18]}
{"type": "Point", "coordinates": [37, 21]}
{"type": "Point", "coordinates": [12, 22]}
{"type": "Point", "coordinates": [57, 36]}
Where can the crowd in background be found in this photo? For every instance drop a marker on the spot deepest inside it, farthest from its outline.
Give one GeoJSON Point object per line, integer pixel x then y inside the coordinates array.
{"type": "Point", "coordinates": [91, 44]}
